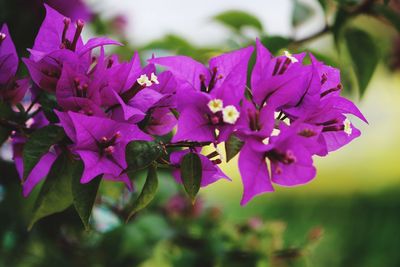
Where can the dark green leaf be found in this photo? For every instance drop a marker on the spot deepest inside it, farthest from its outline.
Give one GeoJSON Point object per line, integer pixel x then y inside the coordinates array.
{"type": "Point", "coordinates": [4, 134]}
{"type": "Point", "coordinates": [232, 147]}
{"type": "Point", "coordinates": [392, 16]}
{"type": "Point", "coordinates": [364, 55]}
{"type": "Point", "coordinates": [39, 144]}
{"type": "Point", "coordinates": [5, 114]}
{"type": "Point", "coordinates": [48, 102]}
{"type": "Point", "coordinates": [301, 13]}
{"type": "Point", "coordinates": [5, 110]}
{"type": "Point", "coordinates": [275, 43]}
{"type": "Point", "coordinates": [84, 195]}
{"type": "Point", "coordinates": [191, 173]}
{"type": "Point", "coordinates": [148, 192]}
{"type": "Point", "coordinates": [237, 19]}
{"type": "Point", "coordinates": [55, 194]}
{"type": "Point", "coordinates": [349, 2]}
{"type": "Point", "coordinates": [340, 21]}
{"type": "Point", "coordinates": [140, 154]}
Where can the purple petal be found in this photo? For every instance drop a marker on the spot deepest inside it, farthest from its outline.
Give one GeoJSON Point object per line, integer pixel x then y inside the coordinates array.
{"type": "Point", "coordinates": [8, 57]}
{"type": "Point", "coordinates": [39, 172]}
{"type": "Point", "coordinates": [185, 68]}
{"type": "Point", "coordinates": [254, 171]}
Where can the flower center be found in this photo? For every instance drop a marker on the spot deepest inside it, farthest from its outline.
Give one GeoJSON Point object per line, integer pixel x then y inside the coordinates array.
{"type": "Point", "coordinates": [65, 43]}
{"type": "Point", "coordinates": [254, 119]}
{"type": "Point", "coordinates": [230, 114]}
{"type": "Point", "coordinates": [284, 157]}
{"type": "Point", "coordinates": [107, 145]}
{"type": "Point", "coordinates": [215, 105]}
{"type": "Point", "coordinates": [81, 90]}
{"type": "Point", "coordinates": [142, 82]}
{"type": "Point", "coordinates": [280, 68]}
{"type": "Point", "coordinates": [213, 80]}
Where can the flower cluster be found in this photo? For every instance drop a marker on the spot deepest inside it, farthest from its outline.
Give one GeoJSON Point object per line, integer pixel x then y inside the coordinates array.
{"type": "Point", "coordinates": [290, 112]}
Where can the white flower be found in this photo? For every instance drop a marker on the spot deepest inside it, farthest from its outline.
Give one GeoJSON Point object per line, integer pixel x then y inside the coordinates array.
{"type": "Point", "coordinates": [154, 78]}
{"type": "Point", "coordinates": [230, 114]}
{"type": "Point", "coordinates": [347, 127]}
{"type": "Point", "coordinates": [144, 80]}
{"type": "Point", "coordinates": [289, 56]}
{"type": "Point", "coordinates": [215, 105]}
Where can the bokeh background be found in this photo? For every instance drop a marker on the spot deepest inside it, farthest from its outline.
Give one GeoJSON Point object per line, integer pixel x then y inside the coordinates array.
{"type": "Point", "coordinates": [349, 215]}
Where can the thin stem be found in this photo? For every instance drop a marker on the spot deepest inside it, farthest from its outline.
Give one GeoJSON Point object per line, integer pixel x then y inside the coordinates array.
{"type": "Point", "coordinates": [33, 103]}
{"type": "Point", "coordinates": [187, 144]}
{"type": "Point", "coordinates": [314, 36]}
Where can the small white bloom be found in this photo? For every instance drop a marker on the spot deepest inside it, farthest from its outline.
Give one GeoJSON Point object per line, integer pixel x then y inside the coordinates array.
{"type": "Point", "coordinates": [347, 127]}
{"type": "Point", "coordinates": [230, 114]}
{"type": "Point", "coordinates": [215, 105]}
{"type": "Point", "coordinates": [154, 78]}
{"type": "Point", "coordinates": [144, 80]}
{"type": "Point", "coordinates": [290, 56]}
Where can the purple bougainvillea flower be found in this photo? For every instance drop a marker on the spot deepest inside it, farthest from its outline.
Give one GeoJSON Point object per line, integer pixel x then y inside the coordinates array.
{"type": "Point", "coordinates": [100, 143]}
{"type": "Point", "coordinates": [337, 129]}
{"type": "Point", "coordinates": [58, 32]}
{"type": "Point", "coordinates": [254, 171]}
{"type": "Point", "coordinates": [254, 122]}
{"type": "Point", "coordinates": [290, 156]}
{"type": "Point", "coordinates": [8, 56]}
{"type": "Point", "coordinates": [194, 77]}
{"type": "Point", "coordinates": [42, 168]}
{"type": "Point", "coordinates": [208, 119]}
{"type": "Point", "coordinates": [46, 72]}
{"type": "Point", "coordinates": [78, 92]}
{"type": "Point", "coordinates": [279, 81]}
{"type": "Point", "coordinates": [11, 90]}
{"type": "Point", "coordinates": [75, 9]}
{"type": "Point", "coordinates": [210, 171]}
{"type": "Point", "coordinates": [208, 98]}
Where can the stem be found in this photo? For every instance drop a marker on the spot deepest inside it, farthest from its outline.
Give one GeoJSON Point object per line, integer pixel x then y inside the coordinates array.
{"type": "Point", "coordinates": [187, 144]}
{"type": "Point", "coordinates": [364, 7]}
{"type": "Point", "coordinates": [316, 35]}
{"type": "Point", "coordinates": [13, 125]}
{"type": "Point", "coordinates": [33, 103]}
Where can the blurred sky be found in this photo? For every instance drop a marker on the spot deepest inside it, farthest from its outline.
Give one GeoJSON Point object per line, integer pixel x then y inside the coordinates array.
{"type": "Point", "coordinates": [150, 19]}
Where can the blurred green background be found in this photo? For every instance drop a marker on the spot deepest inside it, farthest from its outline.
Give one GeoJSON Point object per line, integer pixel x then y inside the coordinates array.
{"type": "Point", "coordinates": [352, 207]}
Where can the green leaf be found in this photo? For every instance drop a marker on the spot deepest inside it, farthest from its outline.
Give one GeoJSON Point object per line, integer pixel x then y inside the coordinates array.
{"type": "Point", "coordinates": [39, 144]}
{"type": "Point", "coordinates": [341, 19]}
{"type": "Point", "coordinates": [237, 19]}
{"type": "Point", "coordinates": [84, 195]}
{"type": "Point", "coordinates": [5, 114]}
{"type": "Point", "coordinates": [392, 16]}
{"type": "Point", "coordinates": [275, 43]}
{"type": "Point", "coordinates": [140, 154]}
{"type": "Point", "coordinates": [6, 111]}
{"type": "Point", "coordinates": [301, 13]}
{"type": "Point", "coordinates": [55, 194]}
{"type": "Point", "coordinates": [148, 192]}
{"type": "Point", "coordinates": [48, 102]}
{"type": "Point", "coordinates": [191, 173]}
{"type": "Point", "coordinates": [364, 55]}
{"type": "Point", "coordinates": [4, 134]}
{"type": "Point", "coordinates": [232, 147]}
